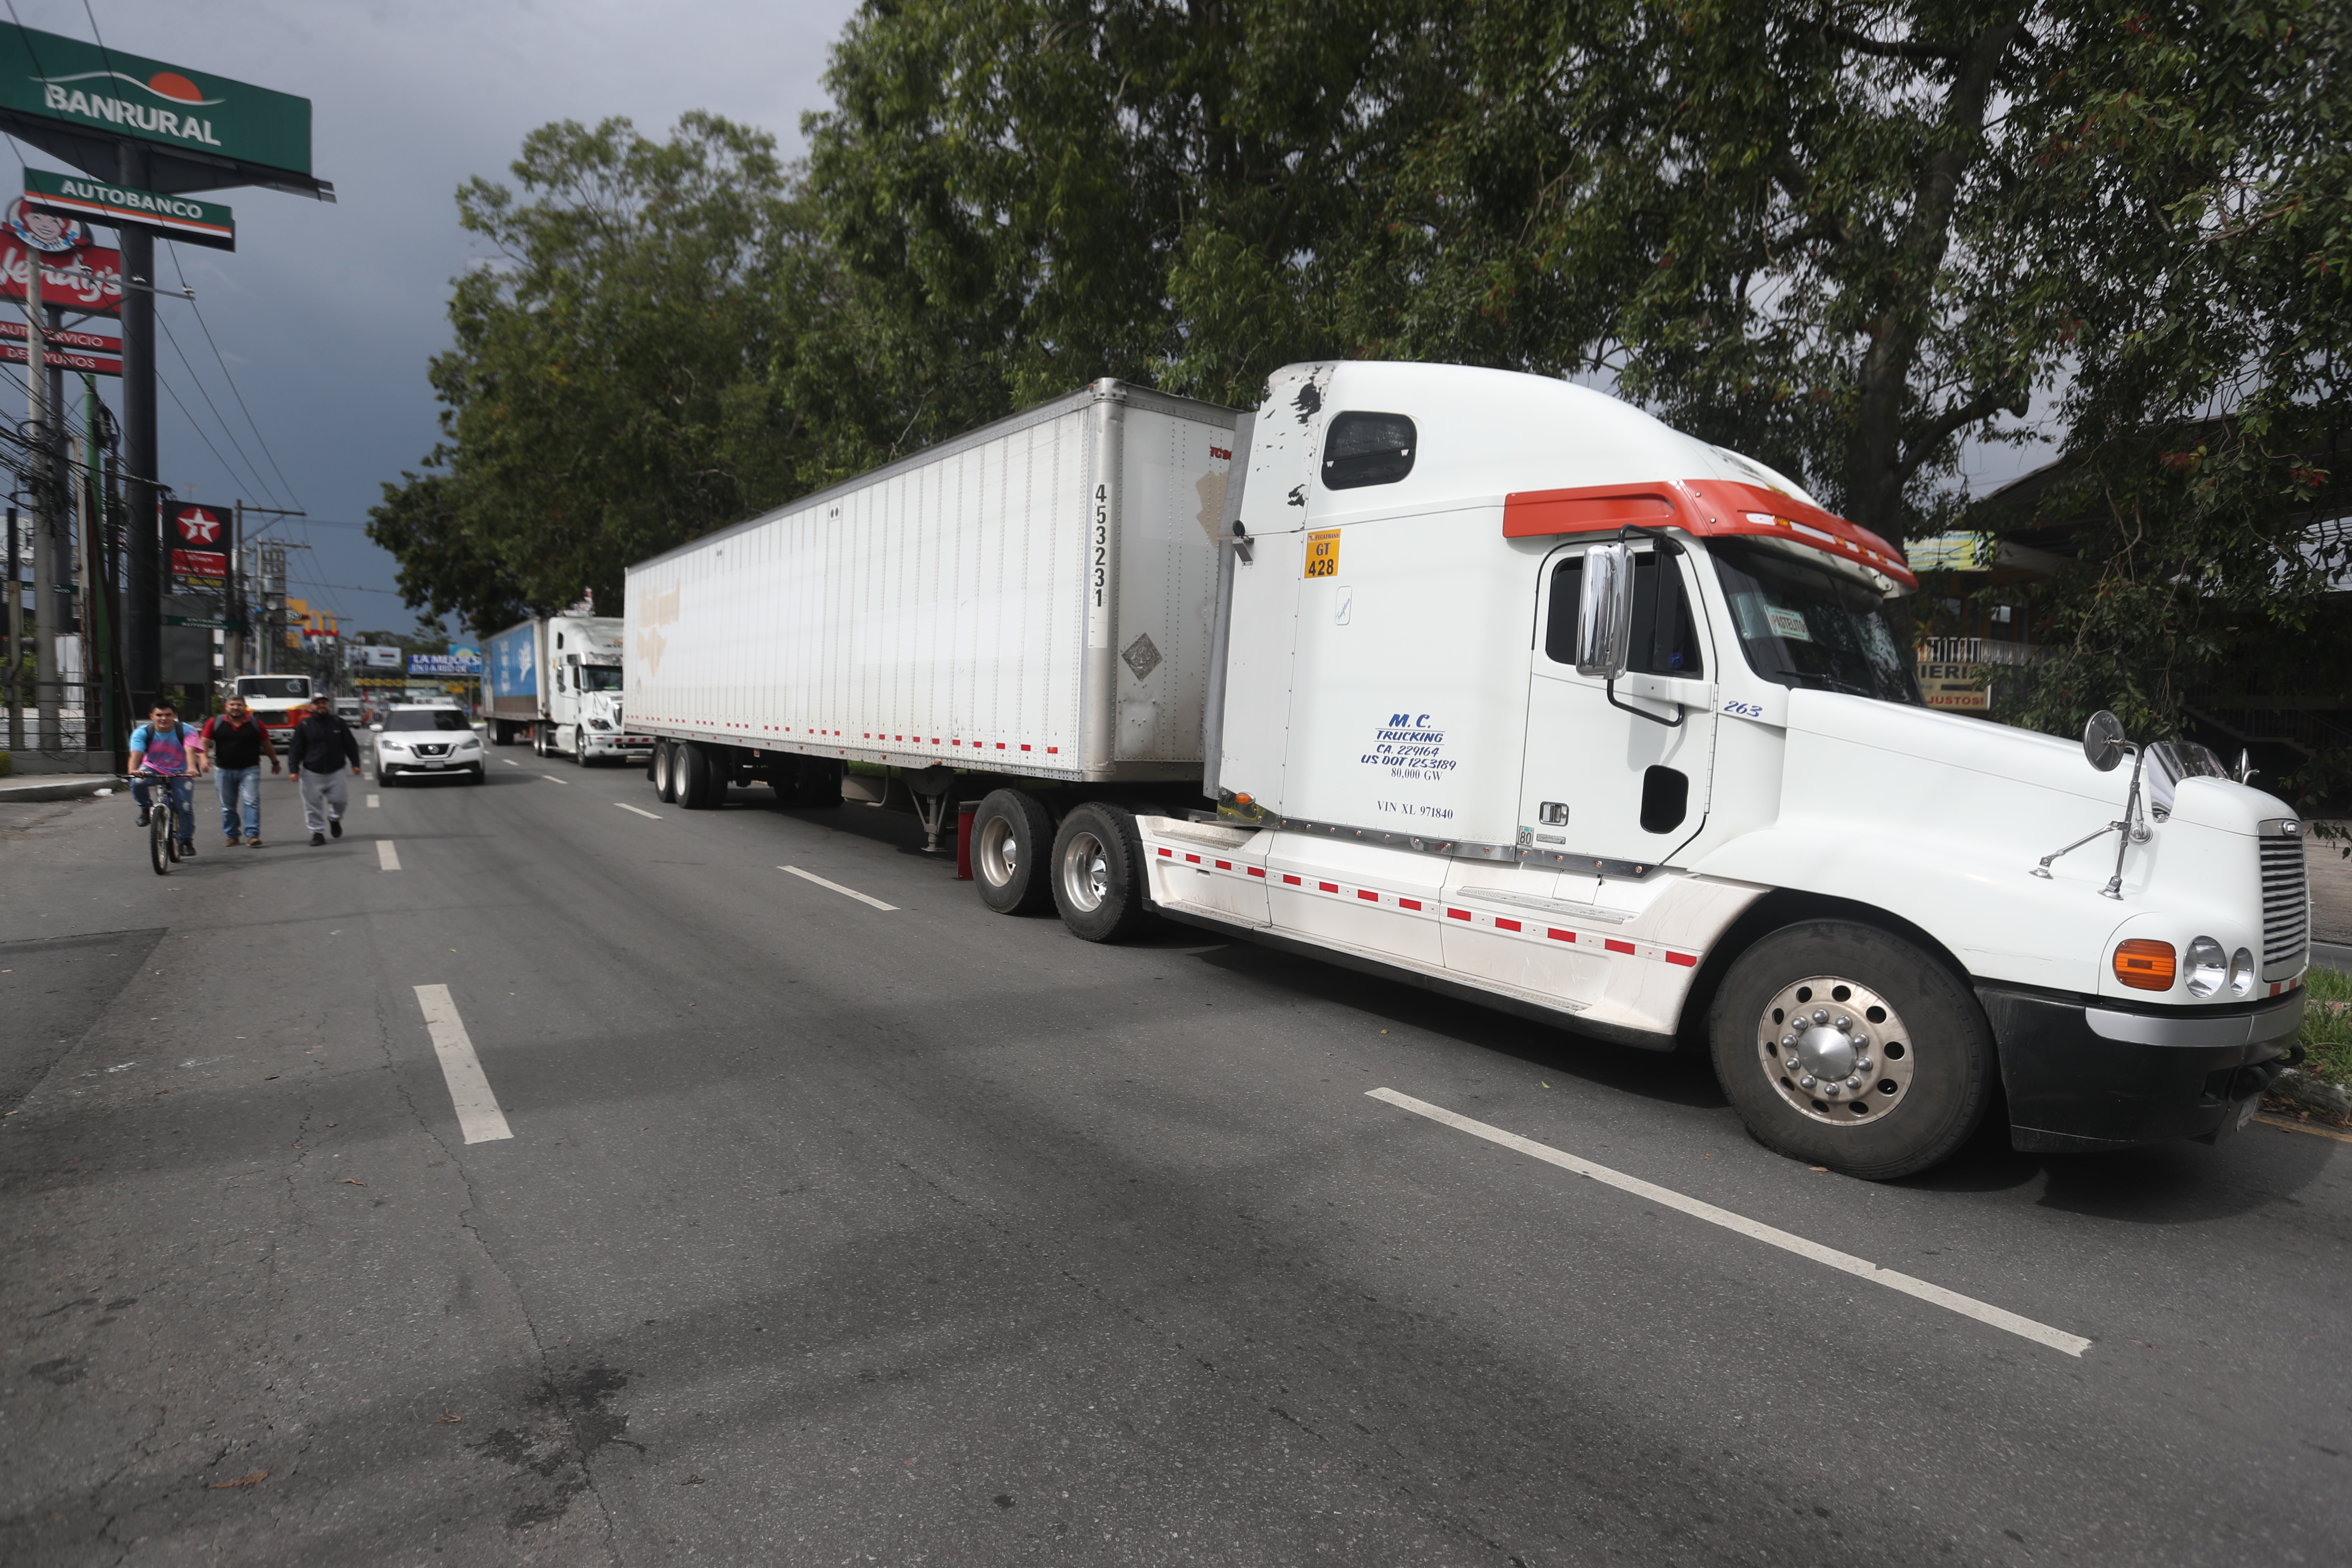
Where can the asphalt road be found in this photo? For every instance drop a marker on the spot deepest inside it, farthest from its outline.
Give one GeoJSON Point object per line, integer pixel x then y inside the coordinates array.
{"type": "Point", "coordinates": [827, 1234]}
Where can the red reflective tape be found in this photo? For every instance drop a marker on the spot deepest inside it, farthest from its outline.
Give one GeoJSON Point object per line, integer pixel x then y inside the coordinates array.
{"type": "Point", "coordinates": [1289, 879]}
{"type": "Point", "coordinates": [1256, 872]}
{"type": "Point", "coordinates": [1686, 959]}
{"type": "Point", "coordinates": [1613, 945]}
{"type": "Point", "coordinates": [1502, 924]}
{"type": "Point", "coordinates": [1025, 745]}
{"type": "Point", "coordinates": [1367, 893]}
{"type": "Point", "coordinates": [1329, 886]}
{"type": "Point", "coordinates": [1000, 746]}
{"type": "Point", "coordinates": [1170, 854]}
{"type": "Point", "coordinates": [1049, 750]}
{"type": "Point", "coordinates": [1562, 935]}
{"type": "Point", "coordinates": [1408, 903]}
{"type": "Point", "coordinates": [1225, 865]}
{"type": "Point", "coordinates": [1457, 914]}
{"type": "Point", "coordinates": [1195, 859]}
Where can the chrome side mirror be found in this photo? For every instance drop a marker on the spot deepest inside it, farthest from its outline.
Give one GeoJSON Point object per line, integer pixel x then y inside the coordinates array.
{"type": "Point", "coordinates": [2103, 741]}
{"type": "Point", "coordinates": [1604, 612]}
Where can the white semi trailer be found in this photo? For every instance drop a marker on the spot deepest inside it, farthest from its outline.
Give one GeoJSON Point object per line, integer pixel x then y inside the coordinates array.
{"type": "Point", "coordinates": [1510, 691]}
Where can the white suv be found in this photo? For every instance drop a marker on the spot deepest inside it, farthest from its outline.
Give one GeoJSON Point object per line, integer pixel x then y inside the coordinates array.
{"type": "Point", "coordinates": [421, 738]}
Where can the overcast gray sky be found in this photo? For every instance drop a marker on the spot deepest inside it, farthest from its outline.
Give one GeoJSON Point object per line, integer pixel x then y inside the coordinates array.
{"type": "Point", "coordinates": [326, 315]}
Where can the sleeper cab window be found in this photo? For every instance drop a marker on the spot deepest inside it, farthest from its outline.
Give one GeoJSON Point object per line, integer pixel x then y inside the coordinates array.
{"type": "Point", "coordinates": [1665, 634]}
{"type": "Point", "coordinates": [1362, 449]}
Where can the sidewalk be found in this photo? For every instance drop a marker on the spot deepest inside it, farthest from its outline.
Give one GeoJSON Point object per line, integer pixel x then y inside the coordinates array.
{"type": "Point", "coordinates": [56, 787]}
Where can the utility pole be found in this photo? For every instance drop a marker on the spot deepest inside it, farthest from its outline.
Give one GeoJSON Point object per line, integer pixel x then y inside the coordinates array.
{"type": "Point", "coordinates": [235, 611]}
{"type": "Point", "coordinates": [143, 586]}
{"type": "Point", "coordinates": [45, 556]}
{"type": "Point", "coordinates": [16, 668]}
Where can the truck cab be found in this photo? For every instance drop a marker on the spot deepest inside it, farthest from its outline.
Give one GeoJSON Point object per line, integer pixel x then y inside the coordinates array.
{"type": "Point", "coordinates": [277, 700]}
{"type": "Point", "coordinates": [1523, 696]}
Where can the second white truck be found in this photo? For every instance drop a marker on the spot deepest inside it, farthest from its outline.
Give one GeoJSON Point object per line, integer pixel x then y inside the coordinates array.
{"type": "Point", "coordinates": [1499, 686]}
{"type": "Point", "coordinates": [555, 682]}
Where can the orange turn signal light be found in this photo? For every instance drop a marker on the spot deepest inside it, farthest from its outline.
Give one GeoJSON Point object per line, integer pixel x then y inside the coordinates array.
{"type": "Point", "coordinates": [2145, 964]}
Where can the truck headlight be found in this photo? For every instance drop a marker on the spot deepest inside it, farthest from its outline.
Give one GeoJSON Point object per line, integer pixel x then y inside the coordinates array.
{"type": "Point", "coordinates": [2242, 972]}
{"type": "Point", "coordinates": [2205, 967]}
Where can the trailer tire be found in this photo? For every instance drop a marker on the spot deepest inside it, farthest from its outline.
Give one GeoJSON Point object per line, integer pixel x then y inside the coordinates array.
{"type": "Point", "coordinates": [700, 786]}
{"type": "Point", "coordinates": [665, 771]}
{"type": "Point", "coordinates": [1011, 846]}
{"type": "Point", "coordinates": [1889, 1016]}
{"type": "Point", "coordinates": [1097, 873]}
{"type": "Point", "coordinates": [818, 786]}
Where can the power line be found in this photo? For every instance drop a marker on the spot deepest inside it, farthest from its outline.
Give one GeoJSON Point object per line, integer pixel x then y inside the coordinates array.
{"type": "Point", "coordinates": [197, 381]}
{"type": "Point", "coordinates": [230, 378]}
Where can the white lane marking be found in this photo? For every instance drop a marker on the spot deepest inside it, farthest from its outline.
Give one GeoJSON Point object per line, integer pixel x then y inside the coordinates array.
{"type": "Point", "coordinates": [478, 1116]}
{"type": "Point", "coordinates": [553, 779]}
{"type": "Point", "coordinates": [511, 761]}
{"type": "Point", "coordinates": [625, 805]}
{"type": "Point", "coordinates": [1967, 1306]}
{"type": "Point", "coordinates": [374, 801]}
{"type": "Point", "coordinates": [845, 892]}
{"type": "Point", "coordinates": [387, 859]}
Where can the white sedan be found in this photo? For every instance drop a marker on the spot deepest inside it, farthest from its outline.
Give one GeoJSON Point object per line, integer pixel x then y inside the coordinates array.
{"type": "Point", "coordinates": [421, 739]}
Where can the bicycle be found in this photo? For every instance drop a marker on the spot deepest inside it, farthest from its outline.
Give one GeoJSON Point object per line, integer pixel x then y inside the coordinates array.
{"type": "Point", "coordinates": [163, 818]}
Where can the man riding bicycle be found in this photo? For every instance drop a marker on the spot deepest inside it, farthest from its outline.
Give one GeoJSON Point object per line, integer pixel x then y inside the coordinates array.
{"type": "Point", "coordinates": [167, 752]}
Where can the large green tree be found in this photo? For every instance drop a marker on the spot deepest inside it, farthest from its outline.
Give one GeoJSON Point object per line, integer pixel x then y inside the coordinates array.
{"type": "Point", "coordinates": [614, 386]}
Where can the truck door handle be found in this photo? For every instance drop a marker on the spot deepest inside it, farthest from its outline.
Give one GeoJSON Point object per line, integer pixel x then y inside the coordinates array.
{"type": "Point", "coordinates": [1552, 813]}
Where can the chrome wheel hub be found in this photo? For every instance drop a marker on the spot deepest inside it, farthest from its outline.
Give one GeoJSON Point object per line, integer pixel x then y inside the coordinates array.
{"type": "Point", "coordinates": [1835, 1050]}
{"type": "Point", "coordinates": [1000, 852]}
{"type": "Point", "coordinates": [1085, 874]}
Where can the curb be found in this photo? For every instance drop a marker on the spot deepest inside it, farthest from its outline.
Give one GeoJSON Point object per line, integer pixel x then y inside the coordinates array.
{"type": "Point", "coordinates": [59, 789]}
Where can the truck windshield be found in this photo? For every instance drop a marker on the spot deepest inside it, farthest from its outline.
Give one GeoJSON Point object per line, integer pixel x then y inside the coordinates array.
{"type": "Point", "coordinates": [274, 686]}
{"type": "Point", "coordinates": [1801, 624]}
{"type": "Point", "coordinates": [599, 678]}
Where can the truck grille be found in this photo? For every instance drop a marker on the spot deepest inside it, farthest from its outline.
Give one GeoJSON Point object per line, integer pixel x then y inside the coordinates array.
{"type": "Point", "coordinates": [2287, 902]}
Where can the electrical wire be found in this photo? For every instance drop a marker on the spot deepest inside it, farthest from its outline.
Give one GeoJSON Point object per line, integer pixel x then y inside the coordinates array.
{"type": "Point", "coordinates": [231, 379]}
{"type": "Point", "coordinates": [252, 471]}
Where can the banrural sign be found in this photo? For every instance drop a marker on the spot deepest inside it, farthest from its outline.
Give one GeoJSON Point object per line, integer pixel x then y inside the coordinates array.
{"type": "Point", "coordinates": [115, 94]}
{"type": "Point", "coordinates": [180, 218]}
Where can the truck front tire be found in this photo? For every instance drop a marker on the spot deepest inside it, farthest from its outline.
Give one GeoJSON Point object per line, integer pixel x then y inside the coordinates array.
{"type": "Point", "coordinates": [1097, 873]}
{"type": "Point", "coordinates": [1844, 1045]}
{"type": "Point", "coordinates": [1012, 843]}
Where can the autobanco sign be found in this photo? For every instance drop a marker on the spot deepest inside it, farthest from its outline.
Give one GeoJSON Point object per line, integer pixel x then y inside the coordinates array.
{"type": "Point", "coordinates": [117, 94]}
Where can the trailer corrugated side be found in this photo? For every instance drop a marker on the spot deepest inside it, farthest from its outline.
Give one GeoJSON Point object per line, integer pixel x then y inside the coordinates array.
{"type": "Point", "coordinates": [1034, 597]}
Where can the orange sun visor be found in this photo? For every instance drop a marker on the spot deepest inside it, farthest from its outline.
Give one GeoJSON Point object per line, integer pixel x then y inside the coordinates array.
{"type": "Point", "coordinates": [1703, 507]}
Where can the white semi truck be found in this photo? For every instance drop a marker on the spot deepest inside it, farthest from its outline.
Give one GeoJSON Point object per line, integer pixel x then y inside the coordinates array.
{"type": "Point", "coordinates": [555, 681]}
{"type": "Point", "coordinates": [1509, 691]}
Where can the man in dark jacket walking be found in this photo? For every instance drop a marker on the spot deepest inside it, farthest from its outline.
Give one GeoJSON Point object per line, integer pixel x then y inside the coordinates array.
{"type": "Point", "coordinates": [322, 748]}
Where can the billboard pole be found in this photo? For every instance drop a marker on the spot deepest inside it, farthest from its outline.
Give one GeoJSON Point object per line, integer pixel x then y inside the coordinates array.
{"type": "Point", "coordinates": [142, 611]}
{"type": "Point", "coordinates": [43, 518]}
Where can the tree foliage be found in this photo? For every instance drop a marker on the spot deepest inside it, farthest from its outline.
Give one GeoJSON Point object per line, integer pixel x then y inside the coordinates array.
{"type": "Point", "coordinates": [1843, 237]}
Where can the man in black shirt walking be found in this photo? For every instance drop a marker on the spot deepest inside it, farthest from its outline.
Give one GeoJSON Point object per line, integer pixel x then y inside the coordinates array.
{"type": "Point", "coordinates": [321, 747]}
{"type": "Point", "coordinates": [237, 741]}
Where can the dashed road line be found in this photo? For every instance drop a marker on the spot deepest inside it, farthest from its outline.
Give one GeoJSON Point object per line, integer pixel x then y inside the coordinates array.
{"type": "Point", "coordinates": [374, 800]}
{"type": "Point", "coordinates": [844, 893]}
{"type": "Point", "coordinates": [1967, 1306]}
{"type": "Point", "coordinates": [625, 805]}
{"type": "Point", "coordinates": [478, 1116]}
{"type": "Point", "coordinates": [387, 859]}
{"type": "Point", "coordinates": [553, 779]}
{"type": "Point", "coordinates": [511, 761]}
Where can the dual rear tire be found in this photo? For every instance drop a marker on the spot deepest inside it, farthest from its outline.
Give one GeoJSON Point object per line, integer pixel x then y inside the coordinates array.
{"type": "Point", "coordinates": [1091, 869]}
